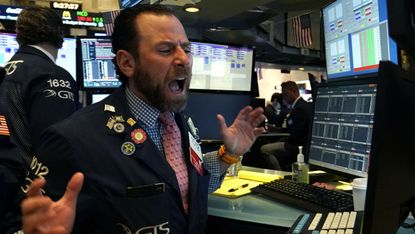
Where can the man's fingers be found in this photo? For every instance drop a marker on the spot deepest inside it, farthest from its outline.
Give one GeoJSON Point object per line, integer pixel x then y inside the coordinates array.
{"type": "Point", "coordinates": [244, 113]}
{"type": "Point", "coordinates": [35, 204]}
{"type": "Point", "coordinates": [73, 188]}
{"type": "Point", "coordinates": [222, 123]}
{"type": "Point", "coordinates": [35, 186]}
{"type": "Point", "coordinates": [256, 116]}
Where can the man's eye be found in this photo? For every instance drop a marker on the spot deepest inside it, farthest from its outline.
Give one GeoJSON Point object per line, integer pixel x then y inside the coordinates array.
{"type": "Point", "coordinates": [187, 51]}
{"type": "Point", "coordinates": [165, 51]}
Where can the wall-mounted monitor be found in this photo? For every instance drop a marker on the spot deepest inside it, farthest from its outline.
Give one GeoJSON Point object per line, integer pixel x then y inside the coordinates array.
{"type": "Point", "coordinates": [357, 38]}
{"type": "Point", "coordinates": [219, 67]}
{"type": "Point", "coordinates": [8, 47]}
{"type": "Point", "coordinates": [66, 55]}
{"type": "Point", "coordinates": [98, 71]}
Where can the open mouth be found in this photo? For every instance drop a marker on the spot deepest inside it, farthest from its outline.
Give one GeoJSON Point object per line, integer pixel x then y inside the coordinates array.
{"type": "Point", "coordinates": [177, 86]}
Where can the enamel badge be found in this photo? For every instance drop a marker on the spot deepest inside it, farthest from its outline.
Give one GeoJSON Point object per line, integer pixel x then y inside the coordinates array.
{"type": "Point", "coordinates": [119, 127]}
{"type": "Point", "coordinates": [128, 148]}
{"type": "Point", "coordinates": [109, 108]}
{"type": "Point", "coordinates": [131, 121]}
{"type": "Point", "coordinates": [138, 136]}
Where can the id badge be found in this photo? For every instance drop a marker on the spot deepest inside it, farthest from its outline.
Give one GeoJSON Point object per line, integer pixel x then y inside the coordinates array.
{"type": "Point", "coordinates": [196, 157]}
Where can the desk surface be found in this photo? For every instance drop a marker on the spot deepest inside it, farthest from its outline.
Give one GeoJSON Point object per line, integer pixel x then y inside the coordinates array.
{"type": "Point", "coordinates": [254, 207]}
{"type": "Point", "coordinates": [258, 209]}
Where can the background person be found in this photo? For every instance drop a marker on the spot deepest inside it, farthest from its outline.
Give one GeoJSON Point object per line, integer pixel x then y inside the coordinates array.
{"type": "Point", "coordinates": [280, 155]}
{"type": "Point", "coordinates": [34, 94]}
{"type": "Point", "coordinates": [276, 112]}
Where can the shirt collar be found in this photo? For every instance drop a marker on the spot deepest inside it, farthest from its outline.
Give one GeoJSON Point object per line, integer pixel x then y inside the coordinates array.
{"type": "Point", "coordinates": [295, 102]}
{"type": "Point", "coordinates": [45, 52]}
{"type": "Point", "coordinates": [142, 111]}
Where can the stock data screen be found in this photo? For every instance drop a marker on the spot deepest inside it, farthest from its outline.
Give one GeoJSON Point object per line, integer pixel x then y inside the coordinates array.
{"type": "Point", "coordinates": [221, 67]}
{"type": "Point", "coordinates": [342, 128]}
{"type": "Point", "coordinates": [97, 67]}
{"type": "Point", "coordinates": [356, 37]}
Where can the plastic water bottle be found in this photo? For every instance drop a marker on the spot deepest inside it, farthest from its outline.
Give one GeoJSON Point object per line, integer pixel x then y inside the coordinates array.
{"type": "Point", "coordinates": [300, 168]}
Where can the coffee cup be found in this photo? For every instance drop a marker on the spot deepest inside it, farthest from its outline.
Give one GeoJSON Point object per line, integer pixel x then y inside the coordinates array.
{"type": "Point", "coordinates": [359, 186]}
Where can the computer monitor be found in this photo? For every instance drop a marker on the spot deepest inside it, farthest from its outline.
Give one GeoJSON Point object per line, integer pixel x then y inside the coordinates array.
{"type": "Point", "coordinates": [391, 181]}
{"type": "Point", "coordinates": [8, 47]}
{"type": "Point", "coordinates": [203, 108]}
{"type": "Point", "coordinates": [356, 38]}
{"type": "Point", "coordinates": [98, 71]}
{"type": "Point", "coordinates": [341, 129]}
{"type": "Point", "coordinates": [66, 55]}
{"type": "Point", "coordinates": [221, 67]}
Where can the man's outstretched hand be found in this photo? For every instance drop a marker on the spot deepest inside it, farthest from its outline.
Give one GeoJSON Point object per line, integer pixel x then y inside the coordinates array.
{"type": "Point", "coordinates": [240, 136]}
{"type": "Point", "coordinates": [41, 215]}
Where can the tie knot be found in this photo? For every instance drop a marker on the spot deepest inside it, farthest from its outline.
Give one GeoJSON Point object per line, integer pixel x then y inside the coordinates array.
{"type": "Point", "coordinates": [166, 118]}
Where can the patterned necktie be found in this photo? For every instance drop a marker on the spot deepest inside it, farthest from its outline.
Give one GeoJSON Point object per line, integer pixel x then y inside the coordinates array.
{"type": "Point", "coordinates": [172, 144]}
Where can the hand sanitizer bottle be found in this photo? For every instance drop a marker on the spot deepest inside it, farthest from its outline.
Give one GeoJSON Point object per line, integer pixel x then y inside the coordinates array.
{"type": "Point", "coordinates": [300, 169]}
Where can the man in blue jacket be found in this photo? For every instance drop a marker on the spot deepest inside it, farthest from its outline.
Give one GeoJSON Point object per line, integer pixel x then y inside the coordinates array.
{"type": "Point", "coordinates": [132, 185]}
{"type": "Point", "coordinates": [280, 155]}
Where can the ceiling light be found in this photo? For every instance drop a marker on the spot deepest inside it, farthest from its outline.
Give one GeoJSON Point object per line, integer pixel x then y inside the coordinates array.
{"type": "Point", "coordinates": [190, 7]}
{"type": "Point", "coordinates": [301, 68]}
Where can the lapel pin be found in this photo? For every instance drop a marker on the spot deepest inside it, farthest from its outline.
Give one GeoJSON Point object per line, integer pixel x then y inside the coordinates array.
{"type": "Point", "coordinates": [138, 136]}
{"type": "Point", "coordinates": [128, 148]}
{"type": "Point", "coordinates": [119, 118]}
{"type": "Point", "coordinates": [131, 121]}
{"type": "Point", "coordinates": [119, 127]}
{"type": "Point", "coordinates": [110, 123]}
{"type": "Point", "coordinates": [109, 108]}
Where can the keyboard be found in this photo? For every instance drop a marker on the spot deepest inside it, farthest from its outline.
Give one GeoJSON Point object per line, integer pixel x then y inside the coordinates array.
{"type": "Point", "coordinates": [306, 196]}
{"type": "Point", "coordinates": [328, 223]}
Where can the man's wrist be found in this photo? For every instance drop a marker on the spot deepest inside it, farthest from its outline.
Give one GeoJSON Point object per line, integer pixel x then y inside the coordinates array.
{"type": "Point", "coordinates": [226, 156]}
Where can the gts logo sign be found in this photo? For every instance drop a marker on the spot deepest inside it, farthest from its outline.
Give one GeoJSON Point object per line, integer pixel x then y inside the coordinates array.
{"type": "Point", "coordinates": [162, 228]}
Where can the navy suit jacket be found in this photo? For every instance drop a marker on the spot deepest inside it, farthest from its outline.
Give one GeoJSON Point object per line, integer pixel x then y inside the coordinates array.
{"type": "Point", "coordinates": [34, 94]}
{"type": "Point", "coordinates": [298, 122]}
{"type": "Point", "coordinates": [84, 143]}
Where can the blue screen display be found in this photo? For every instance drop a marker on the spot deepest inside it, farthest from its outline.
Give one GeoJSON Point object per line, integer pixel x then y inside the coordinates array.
{"type": "Point", "coordinates": [357, 37]}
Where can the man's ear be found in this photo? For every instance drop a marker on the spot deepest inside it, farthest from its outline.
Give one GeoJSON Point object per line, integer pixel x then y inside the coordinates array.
{"type": "Point", "coordinates": [126, 63]}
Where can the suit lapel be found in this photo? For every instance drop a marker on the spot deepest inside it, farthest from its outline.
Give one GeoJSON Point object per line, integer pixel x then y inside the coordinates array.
{"type": "Point", "coordinates": [146, 152]}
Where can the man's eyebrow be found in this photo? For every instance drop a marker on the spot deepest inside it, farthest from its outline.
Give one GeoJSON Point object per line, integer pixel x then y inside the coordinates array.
{"type": "Point", "coordinates": [186, 43]}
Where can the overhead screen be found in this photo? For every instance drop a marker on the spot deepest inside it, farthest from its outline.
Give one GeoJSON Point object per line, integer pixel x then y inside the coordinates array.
{"type": "Point", "coordinates": [221, 67]}
{"type": "Point", "coordinates": [342, 127]}
{"type": "Point", "coordinates": [357, 37]}
{"type": "Point", "coordinates": [98, 71]}
{"type": "Point", "coordinates": [66, 55]}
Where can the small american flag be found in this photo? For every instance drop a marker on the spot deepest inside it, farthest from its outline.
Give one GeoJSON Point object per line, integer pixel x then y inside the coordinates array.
{"type": "Point", "coordinates": [302, 31]}
{"type": "Point", "coordinates": [4, 130]}
{"type": "Point", "coordinates": [109, 18]}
